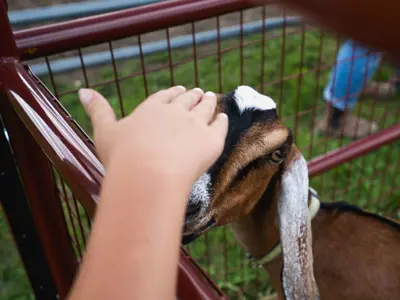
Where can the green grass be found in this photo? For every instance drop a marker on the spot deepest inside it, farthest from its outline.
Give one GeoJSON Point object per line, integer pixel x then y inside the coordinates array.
{"type": "Point", "coordinates": [217, 251]}
{"type": "Point", "coordinates": [13, 281]}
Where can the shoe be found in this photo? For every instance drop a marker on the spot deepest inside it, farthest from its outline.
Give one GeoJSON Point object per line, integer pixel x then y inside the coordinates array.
{"type": "Point", "coordinates": [350, 126]}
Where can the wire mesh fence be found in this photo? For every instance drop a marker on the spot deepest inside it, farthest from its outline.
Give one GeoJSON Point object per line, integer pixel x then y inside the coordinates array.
{"type": "Point", "coordinates": [291, 64]}
{"type": "Point", "coordinates": [76, 218]}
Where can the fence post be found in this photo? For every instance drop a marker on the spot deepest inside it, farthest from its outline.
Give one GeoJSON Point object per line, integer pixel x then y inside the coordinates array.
{"type": "Point", "coordinates": [16, 207]}
{"type": "Point", "coordinates": [37, 177]}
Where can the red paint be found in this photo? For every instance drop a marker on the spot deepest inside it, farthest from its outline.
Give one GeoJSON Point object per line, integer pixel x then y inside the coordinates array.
{"type": "Point", "coordinates": [84, 32]}
{"type": "Point", "coordinates": [40, 187]}
{"type": "Point", "coordinates": [39, 125]}
{"type": "Point", "coordinates": [73, 157]}
{"type": "Point", "coordinates": [193, 282]}
{"type": "Point", "coordinates": [326, 162]}
{"type": "Point", "coordinates": [8, 46]}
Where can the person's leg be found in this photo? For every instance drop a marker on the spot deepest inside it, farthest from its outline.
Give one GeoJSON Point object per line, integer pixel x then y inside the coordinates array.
{"type": "Point", "coordinates": [354, 68]}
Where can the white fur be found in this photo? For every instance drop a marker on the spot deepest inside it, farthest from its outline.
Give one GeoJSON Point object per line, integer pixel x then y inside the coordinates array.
{"type": "Point", "coordinates": [247, 98]}
{"type": "Point", "coordinates": [314, 205]}
{"type": "Point", "coordinates": [200, 192]}
{"type": "Point", "coordinates": [294, 225]}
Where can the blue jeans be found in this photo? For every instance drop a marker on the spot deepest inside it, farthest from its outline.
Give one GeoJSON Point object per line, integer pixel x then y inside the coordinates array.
{"type": "Point", "coordinates": [355, 66]}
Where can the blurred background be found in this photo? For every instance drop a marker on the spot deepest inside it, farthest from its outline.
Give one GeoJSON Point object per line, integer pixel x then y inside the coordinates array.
{"type": "Point", "coordinates": [285, 59]}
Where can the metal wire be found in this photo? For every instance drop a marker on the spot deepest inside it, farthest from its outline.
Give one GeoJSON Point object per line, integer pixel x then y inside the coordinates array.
{"type": "Point", "coordinates": [316, 94]}
{"type": "Point", "coordinates": [336, 62]}
{"type": "Point", "coordinates": [264, 13]}
{"type": "Point", "coordinates": [121, 105]}
{"type": "Point", "coordinates": [71, 218]}
{"type": "Point", "coordinates": [85, 76]}
{"type": "Point", "coordinates": [299, 81]}
{"type": "Point", "coordinates": [217, 255]}
{"type": "Point", "coordinates": [171, 67]}
{"type": "Point", "coordinates": [283, 51]}
{"type": "Point", "coordinates": [143, 66]}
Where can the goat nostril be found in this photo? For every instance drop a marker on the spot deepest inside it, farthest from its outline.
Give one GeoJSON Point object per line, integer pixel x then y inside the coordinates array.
{"type": "Point", "coordinates": [193, 209]}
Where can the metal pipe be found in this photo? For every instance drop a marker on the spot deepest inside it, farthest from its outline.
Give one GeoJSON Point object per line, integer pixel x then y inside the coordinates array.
{"type": "Point", "coordinates": [51, 39]}
{"type": "Point", "coordinates": [18, 212]}
{"type": "Point", "coordinates": [54, 133]}
{"type": "Point", "coordinates": [41, 191]}
{"type": "Point", "coordinates": [124, 53]}
{"type": "Point", "coordinates": [64, 12]}
{"type": "Point", "coordinates": [330, 160]}
{"type": "Point", "coordinates": [8, 46]}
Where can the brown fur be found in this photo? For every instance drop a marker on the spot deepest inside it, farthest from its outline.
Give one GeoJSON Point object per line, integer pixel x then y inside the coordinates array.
{"type": "Point", "coordinates": [250, 147]}
{"type": "Point", "coordinates": [356, 256]}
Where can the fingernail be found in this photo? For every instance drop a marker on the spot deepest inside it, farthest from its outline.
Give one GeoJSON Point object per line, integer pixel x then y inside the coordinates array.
{"type": "Point", "coordinates": [85, 95]}
{"type": "Point", "coordinates": [209, 93]}
{"type": "Point", "coordinates": [181, 87]}
{"type": "Point", "coordinates": [199, 90]}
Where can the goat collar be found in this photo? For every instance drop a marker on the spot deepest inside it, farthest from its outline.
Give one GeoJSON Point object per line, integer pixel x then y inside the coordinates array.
{"type": "Point", "coordinates": [276, 250]}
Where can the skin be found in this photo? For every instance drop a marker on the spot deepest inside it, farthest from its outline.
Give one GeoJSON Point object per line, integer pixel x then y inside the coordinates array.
{"type": "Point", "coordinates": [152, 158]}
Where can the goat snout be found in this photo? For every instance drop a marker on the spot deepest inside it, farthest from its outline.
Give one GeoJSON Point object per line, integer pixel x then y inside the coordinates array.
{"type": "Point", "coordinates": [199, 198]}
{"type": "Point", "coordinates": [193, 210]}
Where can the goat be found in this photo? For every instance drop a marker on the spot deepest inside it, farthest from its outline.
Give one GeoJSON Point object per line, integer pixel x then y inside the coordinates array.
{"type": "Point", "coordinates": [259, 186]}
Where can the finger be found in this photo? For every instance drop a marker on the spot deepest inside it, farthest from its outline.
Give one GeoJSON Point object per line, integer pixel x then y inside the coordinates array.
{"type": "Point", "coordinates": [97, 107]}
{"type": "Point", "coordinates": [189, 99]}
{"type": "Point", "coordinates": [220, 125]}
{"type": "Point", "coordinates": [206, 107]}
{"type": "Point", "coordinates": [167, 95]}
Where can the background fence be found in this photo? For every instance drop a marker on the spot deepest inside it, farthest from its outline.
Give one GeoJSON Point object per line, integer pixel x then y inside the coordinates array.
{"type": "Point", "coordinates": [26, 17]}
{"type": "Point", "coordinates": [218, 45]}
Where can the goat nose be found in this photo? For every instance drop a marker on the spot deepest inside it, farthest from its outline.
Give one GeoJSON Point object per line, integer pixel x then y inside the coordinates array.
{"type": "Point", "coordinates": [193, 209]}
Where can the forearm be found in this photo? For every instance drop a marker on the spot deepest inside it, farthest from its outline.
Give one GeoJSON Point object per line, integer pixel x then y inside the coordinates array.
{"type": "Point", "coordinates": [130, 249]}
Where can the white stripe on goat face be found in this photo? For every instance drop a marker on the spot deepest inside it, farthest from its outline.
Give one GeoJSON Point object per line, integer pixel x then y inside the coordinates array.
{"type": "Point", "coordinates": [247, 98]}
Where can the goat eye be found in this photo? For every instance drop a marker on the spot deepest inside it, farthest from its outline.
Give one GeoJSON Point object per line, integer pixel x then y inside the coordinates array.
{"type": "Point", "coordinates": [277, 156]}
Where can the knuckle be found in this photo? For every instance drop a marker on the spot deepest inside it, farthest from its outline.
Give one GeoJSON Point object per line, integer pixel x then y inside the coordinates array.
{"type": "Point", "coordinates": [177, 89]}
{"type": "Point", "coordinates": [192, 97]}
{"type": "Point", "coordinates": [159, 93]}
{"type": "Point", "coordinates": [196, 93]}
{"type": "Point", "coordinates": [208, 106]}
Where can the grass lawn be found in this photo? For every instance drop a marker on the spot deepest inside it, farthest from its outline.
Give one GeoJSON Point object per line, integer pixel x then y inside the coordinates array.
{"type": "Point", "coordinates": [368, 181]}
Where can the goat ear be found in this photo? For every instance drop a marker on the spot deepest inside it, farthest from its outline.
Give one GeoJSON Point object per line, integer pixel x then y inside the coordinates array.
{"type": "Point", "coordinates": [298, 280]}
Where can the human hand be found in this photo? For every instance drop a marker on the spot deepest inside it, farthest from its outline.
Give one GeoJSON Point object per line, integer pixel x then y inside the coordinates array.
{"type": "Point", "coordinates": [173, 131]}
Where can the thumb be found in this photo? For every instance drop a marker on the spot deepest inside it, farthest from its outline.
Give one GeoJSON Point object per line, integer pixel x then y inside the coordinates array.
{"type": "Point", "coordinates": [97, 107]}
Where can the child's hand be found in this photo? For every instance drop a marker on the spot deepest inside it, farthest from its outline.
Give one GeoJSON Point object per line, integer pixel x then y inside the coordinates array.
{"type": "Point", "coordinates": [170, 132]}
